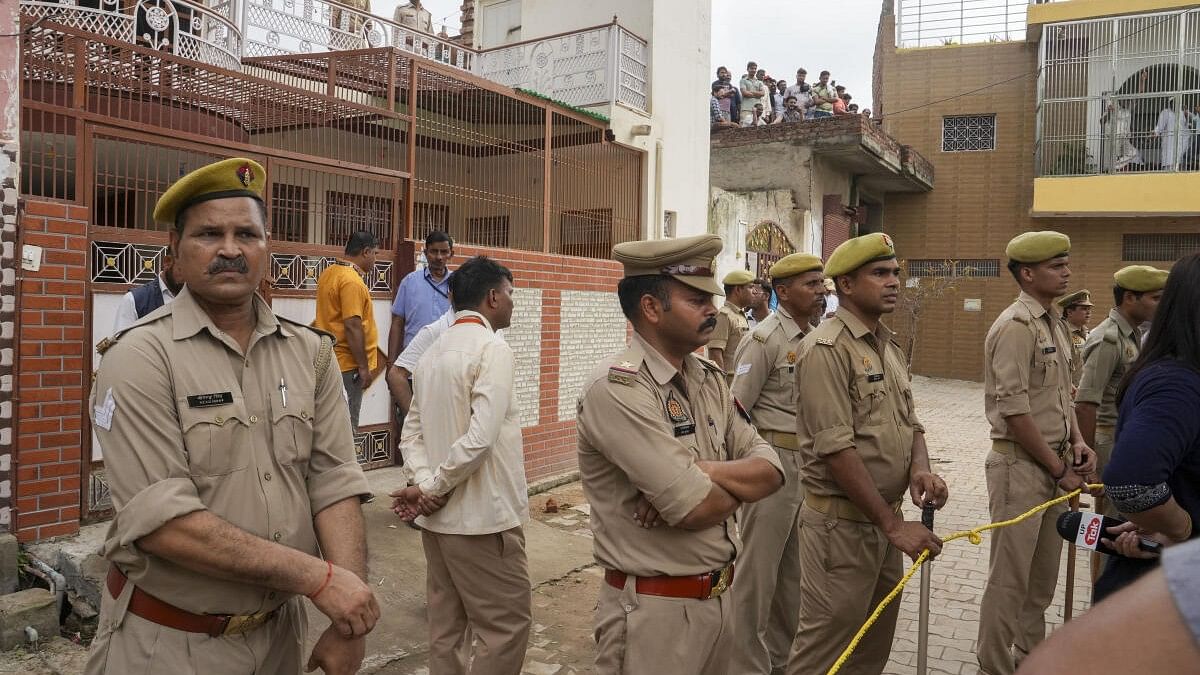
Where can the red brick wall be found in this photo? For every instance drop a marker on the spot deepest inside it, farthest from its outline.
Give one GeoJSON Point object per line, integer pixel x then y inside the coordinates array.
{"type": "Point", "coordinates": [549, 446]}
{"type": "Point", "coordinates": [51, 337]}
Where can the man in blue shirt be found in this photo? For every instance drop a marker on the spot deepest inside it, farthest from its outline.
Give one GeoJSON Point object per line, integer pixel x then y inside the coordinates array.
{"type": "Point", "coordinates": [423, 294]}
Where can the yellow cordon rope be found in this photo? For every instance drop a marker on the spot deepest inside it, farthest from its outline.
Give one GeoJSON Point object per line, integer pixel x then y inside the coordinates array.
{"type": "Point", "coordinates": [973, 536]}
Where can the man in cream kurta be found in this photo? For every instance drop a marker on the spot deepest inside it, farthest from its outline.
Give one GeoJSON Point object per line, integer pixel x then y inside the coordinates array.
{"type": "Point", "coordinates": [462, 448]}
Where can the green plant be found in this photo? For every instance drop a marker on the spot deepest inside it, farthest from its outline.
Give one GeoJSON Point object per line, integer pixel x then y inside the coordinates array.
{"type": "Point", "coordinates": [1072, 160]}
{"type": "Point", "coordinates": [919, 292]}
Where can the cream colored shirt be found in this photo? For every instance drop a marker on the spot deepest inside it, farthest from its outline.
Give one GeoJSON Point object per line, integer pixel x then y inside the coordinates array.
{"type": "Point", "coordinates": [731, 327]}
{"type": "Point", "coordinates": [765, 379]}
{"type": "Point", "coordinates": [643, 426]}
{"type": "Point", "coordinates": [463, 432]}
{"type": "Point", "coordinates": [1107, 355]}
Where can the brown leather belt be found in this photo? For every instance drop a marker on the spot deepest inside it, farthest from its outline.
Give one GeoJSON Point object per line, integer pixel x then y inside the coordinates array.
{"type": "Point", "coordinates": [156, 611]}
{"type": "Point", "coordinates": [781, 439]}
{"type": "Point", "coordinates": [840, 507]}
{"type": "Point", "coordinates": [699, 586]}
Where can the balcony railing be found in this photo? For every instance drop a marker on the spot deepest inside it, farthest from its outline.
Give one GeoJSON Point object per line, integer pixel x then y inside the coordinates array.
{"type": "Point", "coordinates": [1120, 95]}
{"type": "Point", "coordinates": [594, 66]}
{"type": "Point", "coordinates": [202, 31]}
{"type": "Point", "coordinates": [928, 23]}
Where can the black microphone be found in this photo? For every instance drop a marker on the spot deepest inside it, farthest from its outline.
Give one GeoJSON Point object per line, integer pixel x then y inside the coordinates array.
{"type": "Point", "coordinates": [1084, 529]}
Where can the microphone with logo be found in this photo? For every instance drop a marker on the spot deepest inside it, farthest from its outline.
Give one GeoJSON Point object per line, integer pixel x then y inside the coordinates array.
{"type": "Point", "coordinates": [1085, 529]}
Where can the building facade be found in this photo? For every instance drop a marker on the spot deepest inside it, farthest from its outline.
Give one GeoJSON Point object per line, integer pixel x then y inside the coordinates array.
{"type": "Point", "coordinates": [1050, 119]}
{"type": "Point", "coordinates": [375, 127]}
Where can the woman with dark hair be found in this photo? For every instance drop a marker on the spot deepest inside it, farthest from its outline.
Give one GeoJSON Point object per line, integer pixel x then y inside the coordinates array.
{"type": "Point", "coordinates": [1153, 477]}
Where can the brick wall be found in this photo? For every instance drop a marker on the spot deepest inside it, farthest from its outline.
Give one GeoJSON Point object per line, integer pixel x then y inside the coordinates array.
{"type": "Point", "coordinates": [574, 301]}
{"type": "Point", "coordinates": [836, 224]}
{"type": "Point", "coordinates": [51, 334]}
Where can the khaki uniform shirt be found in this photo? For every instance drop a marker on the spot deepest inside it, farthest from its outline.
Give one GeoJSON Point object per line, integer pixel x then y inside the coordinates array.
{"type": "Point", "coordinates": [1107, 354]}
{"type": "Point", "coordinates": [1078, 337]}
{"type": "Point", "coordinates": [855, 394]}
{"type": "Point", "coordinates": [765, 379]}
{"type": "Point", "coordinates": [642, 426]}
{"type": "Point", "coordinates": [190, 423]}
{"type": "Point", "coordinates": [731, 327]}
{"type": "Point", "coordinates": [1027, 370]}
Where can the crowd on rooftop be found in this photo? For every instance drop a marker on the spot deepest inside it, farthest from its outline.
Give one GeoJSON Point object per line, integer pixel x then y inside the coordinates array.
{"type": "Point", "coordinates": [759, 99]}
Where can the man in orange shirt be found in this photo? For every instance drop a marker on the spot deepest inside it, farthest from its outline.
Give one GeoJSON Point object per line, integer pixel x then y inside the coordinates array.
{"type": "Point", "coordinates": [344, 309]}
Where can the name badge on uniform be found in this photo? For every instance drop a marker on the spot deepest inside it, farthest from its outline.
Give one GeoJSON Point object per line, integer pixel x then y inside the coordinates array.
{"type": "Point", "coordinates": [210, 400]}
{"type": "Point", "coordinates": [675, 412]}
{"type": "Point", "coordinates": [1049, 350]}
{"type": "Point", "coordinates": [875, 377]}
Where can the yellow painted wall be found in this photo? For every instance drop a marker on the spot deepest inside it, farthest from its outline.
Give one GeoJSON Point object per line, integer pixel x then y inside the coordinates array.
{"type": "Point", "coordinates": [1075, 10]}
{"type": "Point", "coordinates": [1158, 194]}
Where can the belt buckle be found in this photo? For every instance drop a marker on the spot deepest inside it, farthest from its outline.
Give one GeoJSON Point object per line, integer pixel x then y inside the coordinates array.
{"type": "Point", "coordinates": [244, 623]}
{"type": "Point", "coordinates": [720, 581]}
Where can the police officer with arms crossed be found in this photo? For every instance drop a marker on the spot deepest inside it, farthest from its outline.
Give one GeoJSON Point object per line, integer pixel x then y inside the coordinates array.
{"type": "Point", "coordinates": [228, 448]}
{"type": "Point", "coordinates": [862, 448]}
{"type": "Point", "coordinates": [1037, 450]}
{"type": "Point", "coordinates": [667, 457]}
{"type": "Point", "coordinates": [768, 595]}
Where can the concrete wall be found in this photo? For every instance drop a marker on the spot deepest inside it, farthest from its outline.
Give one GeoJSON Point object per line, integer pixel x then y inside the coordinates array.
{"type": "Point", "coordinates": [982, 199]}
{"type": "Point", "coordinates": [731, 208]}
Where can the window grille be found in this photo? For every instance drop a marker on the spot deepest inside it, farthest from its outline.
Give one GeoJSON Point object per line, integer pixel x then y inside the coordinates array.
{"type": "Point", "coordinates": [969, 268]}
{"type": "Point", "coordinates": [1161, 247]}
{"type": "Point", "coordinates": [968, 133]}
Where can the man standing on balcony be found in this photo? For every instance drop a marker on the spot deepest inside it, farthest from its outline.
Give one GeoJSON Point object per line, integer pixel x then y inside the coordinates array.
{"type": "Point", "coordinates": [767, 603]}
{"type": "Point", "coordinates": [413, 15]}
{"type": "Point", "coordinates": [1037, 450]}
{"type": "Point", "coordinates": [667, 456]}
{"type": "Point", "coordinates": [344, 310]}
{"type": "Point", "coordinates": [231, 463]}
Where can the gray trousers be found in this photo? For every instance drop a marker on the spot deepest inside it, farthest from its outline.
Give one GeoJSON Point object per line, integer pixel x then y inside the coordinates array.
{"type": "Point", "coordinates": [354, 394]}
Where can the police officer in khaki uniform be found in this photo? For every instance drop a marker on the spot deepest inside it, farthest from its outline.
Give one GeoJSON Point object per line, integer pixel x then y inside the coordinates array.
{"type": "Point", "coordinates": [732, 323]}
{"type": "Point", "coordinates": [768, 594]}
{"type": "Point", "coordinates": [1037, 450]}
{"type": "Point", "coordinates": [1109, 350]}
{"type": "Point", "coordinates": [228, 447]}
{"type": "Point", "coordinates": [667, 457]}
{"type": "Point", "coordinates": [1077, 312]}
{"type": "Point", "coordinates": [861, 448]}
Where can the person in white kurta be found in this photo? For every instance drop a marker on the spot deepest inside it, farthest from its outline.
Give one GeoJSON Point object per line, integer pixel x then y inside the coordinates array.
{"type": "Point", "coordinates": [1167, 131]}
{"type": "Point", "coordinates": [1117, 133]}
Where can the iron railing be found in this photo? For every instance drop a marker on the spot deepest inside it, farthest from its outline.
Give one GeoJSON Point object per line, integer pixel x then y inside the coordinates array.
{"type": "Point", "coordinates": [927, 23]}
{"type": "Point", "coordinates": [1120, 95]}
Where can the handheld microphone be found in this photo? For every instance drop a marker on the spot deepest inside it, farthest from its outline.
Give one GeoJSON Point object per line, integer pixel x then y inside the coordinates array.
{"type": "Point", "coordinates": [1084, 529]}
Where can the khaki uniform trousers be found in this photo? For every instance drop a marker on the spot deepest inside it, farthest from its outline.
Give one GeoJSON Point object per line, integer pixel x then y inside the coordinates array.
{"type": "Point", "coordinates": [846, 568]}
{"type": "Point", "coordinates": [767, 603]}
{"type": "Point", "coordinates": [1023, 567]}
{"type": "Point", "coordinates": [126, 643]}
{"type": "Point", "coordinates": [1105, 438]}
{"type": "Point", "coordinates": [478, 590]}
{"type": "Point", "coordinates": [651, 635]}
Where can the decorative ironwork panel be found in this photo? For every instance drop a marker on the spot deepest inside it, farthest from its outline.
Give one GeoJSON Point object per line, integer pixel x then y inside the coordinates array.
{"type": "Point", "coordinates": [300, 272]}
{"type": "Point", "coordinates": [123, 263]}
{"type": "Point", "coordinates": [634, 66]}
{"type": "Point", "coordinates": [99, 495]}
{"type": "Point", "coordinates": [373, 448]}
{"type": "Point", "coordinates": [968, 133]}
{"type": "Point", "coordinates": [571, 68]}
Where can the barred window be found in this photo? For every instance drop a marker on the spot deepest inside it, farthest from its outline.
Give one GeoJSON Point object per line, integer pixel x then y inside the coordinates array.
{"type": "Point", "coordinates": [1164, 247]}
{"type": "Point", "coordinates": [968, 133]}
{"type": "Point", "coordinates": [969, 268]}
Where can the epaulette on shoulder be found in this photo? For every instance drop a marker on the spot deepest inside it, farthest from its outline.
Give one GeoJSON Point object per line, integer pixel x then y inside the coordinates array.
{"type": "Point", "coordinates": [624, 372]}
{"type": "Point", "coordinates": [1020, 318]}
{"type": "Point", "coordinates": [107, 343]}
{"type": "Point", "coordinates": [1111, 333]}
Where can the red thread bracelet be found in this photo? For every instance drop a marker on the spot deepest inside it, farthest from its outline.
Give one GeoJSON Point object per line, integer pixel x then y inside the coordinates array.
{"type": "Point", "coordinates": [328, 576]}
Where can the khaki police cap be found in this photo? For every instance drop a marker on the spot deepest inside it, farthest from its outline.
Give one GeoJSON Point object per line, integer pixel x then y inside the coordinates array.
{"type": "Point", "coordinates": [1036, 247]}
{"type": "Point", "coordinates": [738, 278]}
{"type": "Point", "coordinates": [1082, 298]}
{"type": "Point", "coordinates": [796, 263]}
{"type": "Point", "coordinates": [1141, 278]}
{"type": "Point", "coordinates": [689, 260]}
{"type": "Point", "coordinates": [854, 253]}
{"type": "Point", "coordinates": [237, 177]}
